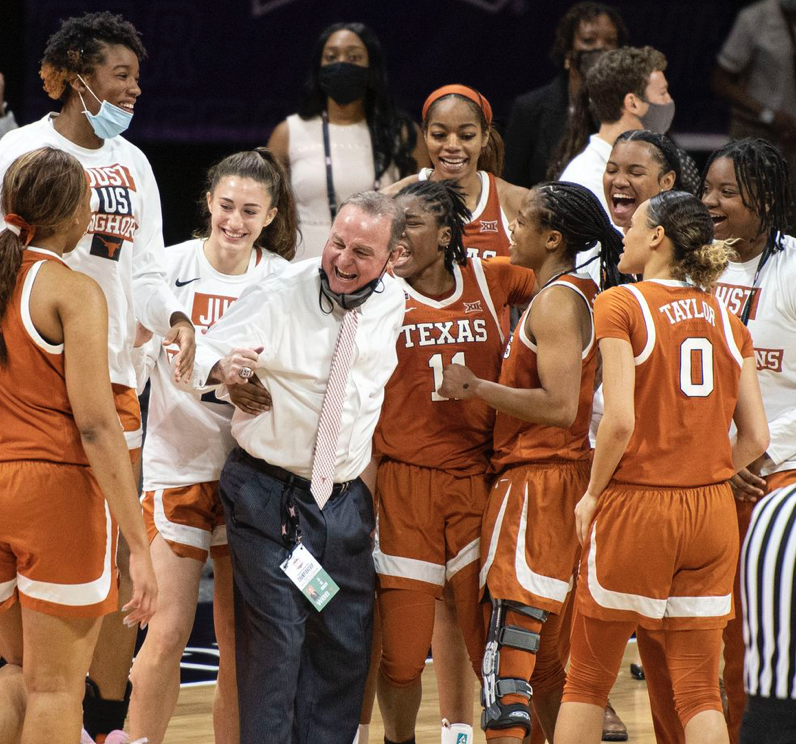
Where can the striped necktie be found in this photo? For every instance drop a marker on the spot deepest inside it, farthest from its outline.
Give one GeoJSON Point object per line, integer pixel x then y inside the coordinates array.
{"type": "Point", "coordinates": [323, 461]}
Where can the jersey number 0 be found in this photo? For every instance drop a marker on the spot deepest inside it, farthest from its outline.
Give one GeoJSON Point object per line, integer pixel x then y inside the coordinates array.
{"type": "Point", "coordinates": [702, 349]}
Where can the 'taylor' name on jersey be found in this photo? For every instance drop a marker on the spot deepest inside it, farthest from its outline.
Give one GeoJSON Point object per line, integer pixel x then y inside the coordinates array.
{"type": "Point", "coordinates": [463, 330]}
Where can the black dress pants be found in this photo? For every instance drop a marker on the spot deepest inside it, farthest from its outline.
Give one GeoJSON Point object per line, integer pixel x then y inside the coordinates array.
{"type": "Point", "coordinates": [768, 721]}
{"type": "Point", "coordinates": [301, 673]}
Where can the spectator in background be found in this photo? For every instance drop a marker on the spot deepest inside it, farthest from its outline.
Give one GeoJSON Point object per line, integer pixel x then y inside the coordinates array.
{"type": "Point", "coordinates": [347, 135]}
{"type": "Point", "coordinates": [7, 120]}
{"type": "Point", "coordinates": [755, 74]}
{"type": "Point", "coordinates": [538, 118]}
{"type": "Point", "coordinates": [627, 90]}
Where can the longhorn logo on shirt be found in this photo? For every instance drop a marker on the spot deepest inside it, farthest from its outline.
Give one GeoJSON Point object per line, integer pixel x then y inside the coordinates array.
{"type": "Point", "coordinates": [473, 307]}
{"type": "Point", "coordinates": [490, 226]}
{"type": "Point", "coordinates": [112, 222]}
{"type": "Point", "coordinates": [735, 297]}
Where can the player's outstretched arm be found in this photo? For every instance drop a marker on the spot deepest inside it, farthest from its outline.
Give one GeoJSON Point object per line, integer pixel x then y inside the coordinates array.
{"type": "Point", "coordinates": [555, 323]}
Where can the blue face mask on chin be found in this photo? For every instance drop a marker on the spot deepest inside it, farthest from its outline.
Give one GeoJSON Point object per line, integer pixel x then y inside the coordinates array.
{"type": "Point", "coordinates": [110, 121]}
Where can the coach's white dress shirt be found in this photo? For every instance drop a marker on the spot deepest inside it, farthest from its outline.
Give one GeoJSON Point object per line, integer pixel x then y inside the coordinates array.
{"type": "Point", "coordinates": [282, 314]}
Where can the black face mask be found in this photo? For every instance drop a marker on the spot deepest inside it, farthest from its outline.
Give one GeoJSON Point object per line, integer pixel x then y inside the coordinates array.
{"type": "Point", "coordinates": [343, 82]}
{"type": "Point", "coordinates": [352, 299]}
{"type": "Point", "coordinates": [584, 59]}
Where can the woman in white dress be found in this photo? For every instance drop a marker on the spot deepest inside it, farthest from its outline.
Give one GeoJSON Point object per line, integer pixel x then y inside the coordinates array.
{"type": "Point", "coordinates": [347, 135]}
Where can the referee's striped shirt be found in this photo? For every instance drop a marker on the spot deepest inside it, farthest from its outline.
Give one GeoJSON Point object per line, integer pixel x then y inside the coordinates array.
{"type": "Point", "coordinates": [768, 593]}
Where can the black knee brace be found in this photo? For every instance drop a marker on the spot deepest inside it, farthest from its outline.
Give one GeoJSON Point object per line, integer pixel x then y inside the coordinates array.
{"type": "Point", "coordinates": [496, 714]}
{"type": "Point", "coordinates": [101, 716]}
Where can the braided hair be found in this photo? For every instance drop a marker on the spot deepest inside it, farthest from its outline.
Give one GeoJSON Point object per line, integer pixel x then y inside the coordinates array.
{"type": "Point", "coordinates": [763, 180]}
{"type": "Point", "coordinates": [764, 183]}
{"type": "Point", "coordinates": [445, 200]}
{"type": "Point", "coordinates": [577, 214]}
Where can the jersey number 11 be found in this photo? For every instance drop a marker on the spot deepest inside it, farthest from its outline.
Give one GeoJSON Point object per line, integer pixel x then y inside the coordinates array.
{"type": "Point", "coordinates": [436, 365]}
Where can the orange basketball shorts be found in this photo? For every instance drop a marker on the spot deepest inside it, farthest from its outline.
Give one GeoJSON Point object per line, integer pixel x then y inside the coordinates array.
{"type": "Point", "coordinates": [428, 527]}
{"type": "Point", "coordinates": [189, 518]}
{"type": "Point", "coordinates": [662, 558]}
{"type": "Point", "coordinates": [126, 401]}
{"type": "Point", "coordinates": [57, 540]}
{"type": "Point", "coordinates": [529, 547]}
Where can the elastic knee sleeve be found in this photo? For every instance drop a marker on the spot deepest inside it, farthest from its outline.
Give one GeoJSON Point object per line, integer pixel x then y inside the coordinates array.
{"type": "Point", "coordinates": [498, 714]}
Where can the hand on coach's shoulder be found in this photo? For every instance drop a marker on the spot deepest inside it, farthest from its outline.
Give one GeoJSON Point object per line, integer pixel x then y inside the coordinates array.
{"type": "Point", "coordinates": [252, 399]}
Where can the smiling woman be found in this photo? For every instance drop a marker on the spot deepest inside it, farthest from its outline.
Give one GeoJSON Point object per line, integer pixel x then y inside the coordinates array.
{"type": "Point", "coordinates": [433, 480]}
{"type": "Point", "coordinates": [251, 230]}
{"type": "Point", "coordinates": [642, 164]}
{"type": "Point", "coordinates": [464, 146]}
{"type": "Point", "coordinates": [91, 65]}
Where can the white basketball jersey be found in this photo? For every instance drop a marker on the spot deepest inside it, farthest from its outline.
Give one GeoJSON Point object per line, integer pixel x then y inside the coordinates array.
{"type": "Point", "coordinates": [188, 434]}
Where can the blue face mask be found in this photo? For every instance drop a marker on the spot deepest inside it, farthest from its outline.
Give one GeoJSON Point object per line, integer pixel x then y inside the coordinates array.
{"type": "Point", "coordinates": [110, 121]}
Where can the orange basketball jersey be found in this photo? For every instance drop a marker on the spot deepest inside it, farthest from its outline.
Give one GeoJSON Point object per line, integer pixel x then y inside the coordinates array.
{"type": "Point", "coordinates": [688, 355]}
{"type": "Point", "coordinates": [420, 427]}
{"type": "Point", "coordinates": [37, 419]}
{"type": "Point", "coordinates": [487, 233]}
{"type": "Point", "coordinates": [518, 441]}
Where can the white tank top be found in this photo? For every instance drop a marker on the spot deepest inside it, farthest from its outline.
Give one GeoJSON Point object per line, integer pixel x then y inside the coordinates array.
{"type": "Point", "coordinates": [352, 171]}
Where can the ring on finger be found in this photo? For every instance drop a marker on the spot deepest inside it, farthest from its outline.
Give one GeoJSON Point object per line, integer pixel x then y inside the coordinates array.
{"type": "Point", "coordinates": [245, 372]}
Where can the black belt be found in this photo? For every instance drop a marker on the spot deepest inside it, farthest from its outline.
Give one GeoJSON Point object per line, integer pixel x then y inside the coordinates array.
{"type": "Point", "coordinates": [288, 478]}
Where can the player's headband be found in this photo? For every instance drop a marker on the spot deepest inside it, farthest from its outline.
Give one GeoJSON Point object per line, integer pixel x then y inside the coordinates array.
{"type": "Point", "coordinates": [460, 90]}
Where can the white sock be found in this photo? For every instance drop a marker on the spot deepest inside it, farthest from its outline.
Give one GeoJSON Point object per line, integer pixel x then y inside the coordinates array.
{"type": "Point", "coordinates": [456, 733]}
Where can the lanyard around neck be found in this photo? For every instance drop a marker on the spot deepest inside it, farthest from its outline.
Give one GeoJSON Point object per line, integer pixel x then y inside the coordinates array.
{"type": "Point", "coordinates": [327, 153]}
{"type": "Point", "coordinates": [764, 256]}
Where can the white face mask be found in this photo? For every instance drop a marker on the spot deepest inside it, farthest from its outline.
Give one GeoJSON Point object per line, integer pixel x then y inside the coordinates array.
{"type": "Point", "coordinates": [110, 121]}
